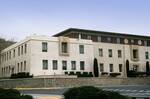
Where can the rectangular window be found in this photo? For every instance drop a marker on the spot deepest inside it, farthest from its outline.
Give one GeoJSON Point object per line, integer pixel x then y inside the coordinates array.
{"type": "Point", "coordinates": [111, 67]}
{"type": "Point", "coordinates": [135, 53]}
{"type": "Point", "coordinates": [45, 64]}
{"type": "Point", "coordinates": [81, 49]}
{"type": "Point", "coordinates": [81, 65]}
{"type": "Point", "coordinates": [132, 41]}
{"type": "Point", "coordinates": [73, 65]}
{"type": "Point", "coordinates": [101, 67]}
{"type": "Point", "coordinates": [25, 48]}
{"type": "Point", "coordinates": [21, 49]}
{"type": "Point", "coordinates": [146, 55]}
{"type": "Point", "coordinates": [64, 65]}
{"type": "Point", "coordinates": [120, 67]}
{"type": "Point", "coordinates": [44, 47]}
{"type": "Point", "coordinates": [21, 67]}
{"type": "Point", "coordinates": [24, 65]}
{"type": "Point", "coordinates": [145, 43]}
{"type": "Point", "coordinates": [14, 53]}
{"type": "Point", "coordinates": [119, 54]}
{"type": "Point", "coordinates": [99, 38]}
{"type": "Point", "coordinates": [109, 39]}
{"type": "Point", "coordinates": [101, 52]}
{"type": "Point", "coordinates": [9, 54]}
{"type": "Point", "coordinates": [110, 52]}
{"type": "Point", "coordinates": [18, 51]}
{"type": "Point", "coordinates": [54, 64]}
{"type": "Point", "coordinates": [118, 40]}
{"type": "Point", "coordinates": [79, 36]}
{"type": "Point", "coordinates": [64, 47]}
{"type": "Point", "coordinates": [89, 37]}
{"type": "Point", "coordinates": [18, 67]}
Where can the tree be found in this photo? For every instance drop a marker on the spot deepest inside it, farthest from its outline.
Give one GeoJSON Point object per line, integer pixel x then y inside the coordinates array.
{"type": "Point", "coordinates": [127, 67]}
{"type": "Point", "coordinates": [95, 67]}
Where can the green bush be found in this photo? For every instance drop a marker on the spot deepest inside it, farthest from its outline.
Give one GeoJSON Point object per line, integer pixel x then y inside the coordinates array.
{"type": "Point", "coordinates": [114, 74]}
{"type": "Point", "coordinates": [90, 92]}
{"type": "Point", "coordinates": [12, 94]}
{"type": "Point", "coordinates": [21, 75]}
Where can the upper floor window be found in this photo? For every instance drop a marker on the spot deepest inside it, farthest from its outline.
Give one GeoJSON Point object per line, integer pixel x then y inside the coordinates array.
{"type": "Point", "coordinates": [111, 67]}
{"type": "Point", "coordinates": [101, 67]}
{"type": "Point", "coordinates": [101, 52]}
{"type": "Point", "coordinates": [14, 53]}
{"type": "Point", "coordinates": [146, 55]}
{"type": "Point", "coordinates": [45, 64]}
{"type": "Point", "coordinates": [64, 47]}
{"type": "Point", "coordinates": [120, 67]}
{"type": "Point", "coordinates": [54, 64]}
{"type": "Point", "coordinates": [119, 54]}
{"type": "Point", "coordinates": [22, 49]}
{"type": "Point", "coordinates": [25, 48]}
{"type": "Point", "coordinates": [118, 40]}
{"type": "Point", "coordinates": [73, 65]}
{"type": "Point", "coordinates": [18, 51]}
{"type": "Point", "coordinates": [99, 38]}
{"type": "Point", "coordinates": [64, 65]}
{"type": "Point", "coordinates": [145, 43]}
{"type": "Point", "coordinates": [89, 37]}
{"type": "Point", "coordinates": [110, 52]}
{"type": "Point", "coordinates": [109, 39]}
{"type": "Point", "coordinates": [135, 53]}
{"type": "Point", "coordinates": [81, 49]}
{"type": "Point", "coordinates": [44, 47]}
{"type": "Point", "coordinates": [79, 36]}
{"type": "Point", "coordinates": [82, 65]}
{"type": "Point", "coordinates": [9, 54]}
{"type": "Point", "coordinates": [132, 41]}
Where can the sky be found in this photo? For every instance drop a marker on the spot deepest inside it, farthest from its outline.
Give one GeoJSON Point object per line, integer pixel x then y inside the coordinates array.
{"type": "Point", "coordinates": [21, 18]}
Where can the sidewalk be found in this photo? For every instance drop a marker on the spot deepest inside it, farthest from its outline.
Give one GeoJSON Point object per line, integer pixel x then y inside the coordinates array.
{"type": "Point", "coordinates": [42, 96]}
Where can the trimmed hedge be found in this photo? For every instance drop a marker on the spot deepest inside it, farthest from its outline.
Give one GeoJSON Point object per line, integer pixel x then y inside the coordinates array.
{"type": "Point", "coordinates": [21, 75]}
{"type": "Point", "coordinates": [12, 94]}
{"type": "Point", "coordinates": [114, 74]}
{"type": "Point", "coordinates": [90, 92]}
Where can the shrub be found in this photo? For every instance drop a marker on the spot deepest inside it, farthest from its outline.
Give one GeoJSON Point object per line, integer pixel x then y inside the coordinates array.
{"type": "Point", "coordinates": [21, 75]}
{"type": "Point", "coordinates": [66, 73]}
{"type": "Point", "coordinates": [95, 68]}
{"type": "Point", "coordinates": [114, 74]}
{"type": "Point", "coordinates": [12, 94]}
{"type": "Point", "coordinates": [78, 73]}
{"type": "Point", "coordinates": [104, 73]}
{"type": "Point", "coordinates": [71, 73]}
{"type": "Point", "coordinates": [90, 92]}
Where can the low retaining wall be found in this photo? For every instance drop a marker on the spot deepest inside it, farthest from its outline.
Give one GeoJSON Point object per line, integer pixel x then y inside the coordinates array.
{"type": "Point", "coordinates": [71, 82]}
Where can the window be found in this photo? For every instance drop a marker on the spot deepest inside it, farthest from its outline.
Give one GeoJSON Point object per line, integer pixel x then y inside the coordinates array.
{"type": "Point", "coordinates": [145, 43]}
{"type": "Point", "coordinates": [120, 67]}
{"type": "Point", "coordinates": [110, 52]}
{"type": "Point", "coordinates": [101, 52]}
{"type": "Point", "coordinates": [64, 47]}
{"type": "Point", "coordinates": [18, 67]}
{"type": "Point", "coordinates": [21, 67]}
{"type": "Point", "coordinates": [25, 48]}
{"type": "Point", "coordinates": [18, 51]}
{"type": "Point", "coordinates": [118, 40]}
{"type": "Point", "coordinates": [99, 38]}
{"type": "Point", "coordinates": [81, 49]}
{"type": "Point", "coordinates": [109, 39]}
{"type": "Point", "coordinates": [24, 65]}
{"type": "Point", "coordinates": [132, 41]}
{"type": "Point", "coordinates": [73, 65]}
{"type": "Point", "coordinates": [14, 53]}
{"type": "Point", "coordinates": [146, 55]}
{"type": "Point", "coordinates": [89, 37]}
{"type": "Point", "coordinates": [22, 49]}
{"type": "Point", "coordinates": [135, 53]}
{"type": "Point", "coordinates": [101, 67]}
{"type": "Point", "coordinates": [44, 46]}
{"type": "Point", "coordinates": [54, 64]}
{"type": "Point", "coordinates": [9, 54]}
{"type": "Point", "coordinates": [45, 64]}
{"type": "Point", "coordinates": [64, 65]}
{"type": "Point", "coordinates": [119, 54]}
{"type": "Point", "coordinates": [111, 67]}
{"type": "Point", "coordinates": [79, 36]}
{"type": "Point", "coordinates": [81, 65]}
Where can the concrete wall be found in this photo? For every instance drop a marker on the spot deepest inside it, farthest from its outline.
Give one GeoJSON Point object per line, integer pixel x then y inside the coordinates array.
{"type": "Point", "coordinates": [70, 82]}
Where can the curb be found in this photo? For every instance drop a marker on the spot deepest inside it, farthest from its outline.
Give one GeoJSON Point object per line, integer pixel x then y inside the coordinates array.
{"type": "Point", "coordinates": [37, 88]}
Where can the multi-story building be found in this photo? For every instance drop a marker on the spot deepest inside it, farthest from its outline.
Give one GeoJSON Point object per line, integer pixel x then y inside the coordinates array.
{"type": "Point", "coordinates": [74, 50]}
{"type": "Point", "coordinates": [43, 55]}
{"type": "Point", "coordinates": [112, 50]}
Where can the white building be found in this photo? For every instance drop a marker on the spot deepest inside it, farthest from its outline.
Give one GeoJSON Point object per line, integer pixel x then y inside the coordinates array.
{"type": "Point", "coordinates": [42, 55]}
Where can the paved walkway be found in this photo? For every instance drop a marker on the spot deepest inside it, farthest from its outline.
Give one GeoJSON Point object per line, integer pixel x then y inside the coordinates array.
{"type": "Point", "coordinates": [39, 96]}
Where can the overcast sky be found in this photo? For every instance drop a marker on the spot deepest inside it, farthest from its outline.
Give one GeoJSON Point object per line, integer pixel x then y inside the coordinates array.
{"type": "Point", "coordinates": [21, 18]}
